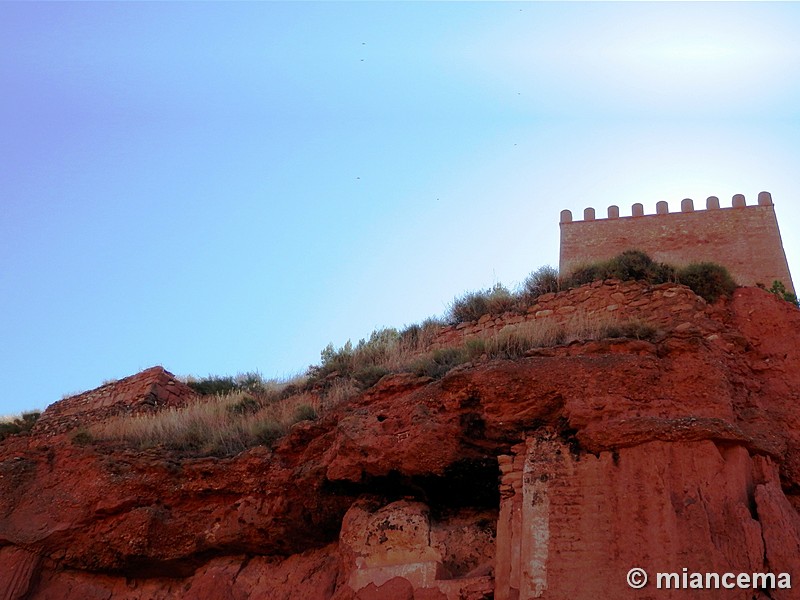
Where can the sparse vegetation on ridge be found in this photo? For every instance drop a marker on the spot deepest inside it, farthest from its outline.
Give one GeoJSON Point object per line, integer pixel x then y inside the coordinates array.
{"type": "Point", "coordinates": [218, 425]}
{"type": "Point", "coordinates": [544, 280]}
{"type": "Point", "coordinates": [215, 384]}
{"type": "Point", "coordinates": [708, 280]}
{"type": "Point", "coordinates": [239, 412]}
{"type": "Point", "coordinates": [779, 289]}
{"type": "Point", "coordinates": [629, 265]}
{"type": "Point", "coordinates": [363, 365]}
{"type": "Point", "coordinates": [15, 424]}
{"type": "Point", "coordinates": [473, 305]}
{"type": "Point", "coordinates": [227, 423]}
{"type": "Point", "coordinates": [385, 351]}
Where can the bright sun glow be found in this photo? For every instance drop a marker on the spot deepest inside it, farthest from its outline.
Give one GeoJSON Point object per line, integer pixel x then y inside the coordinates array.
{"type": "Point", "coordinates": [698, 52]}
{"type": "Point", "coordinates": [664, 62]}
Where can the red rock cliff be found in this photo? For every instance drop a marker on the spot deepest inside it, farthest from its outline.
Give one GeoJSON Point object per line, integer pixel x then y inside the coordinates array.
{"type": "Point", "coordinates": [549, 476]}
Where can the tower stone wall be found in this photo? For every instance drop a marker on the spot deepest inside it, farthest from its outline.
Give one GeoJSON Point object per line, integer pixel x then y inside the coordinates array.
{"type": "Point", "coordinates": [743, 238]}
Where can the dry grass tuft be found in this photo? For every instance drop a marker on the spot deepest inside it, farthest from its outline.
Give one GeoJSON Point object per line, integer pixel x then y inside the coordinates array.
{"type": "Point", "coordinates": [225, 424]}
{"type": "Point", "coordinates": [338, 392]}
{"type": "Point", "coordinates": [515, 341]}
{"type": "Point", "coordinates": [220, 425]}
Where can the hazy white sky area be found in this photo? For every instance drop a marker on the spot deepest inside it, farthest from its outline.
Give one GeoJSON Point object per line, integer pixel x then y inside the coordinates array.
{"type": "Point", "coordinates": [227, 187]}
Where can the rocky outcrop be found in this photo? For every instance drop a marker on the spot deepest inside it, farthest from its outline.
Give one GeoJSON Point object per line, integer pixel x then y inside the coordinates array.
{"type": "Point", "coordinates": [548, 476]}
{"type": "Point", "coordinates": [666, 305]}
{"type": "Point", "coordinates": [652, 505]}
{"type": "Point", "coordinates": [148, 391]}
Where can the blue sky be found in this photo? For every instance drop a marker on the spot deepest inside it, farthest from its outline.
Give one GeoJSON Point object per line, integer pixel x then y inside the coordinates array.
{"type": "Point", "coordinates": [227, 187]}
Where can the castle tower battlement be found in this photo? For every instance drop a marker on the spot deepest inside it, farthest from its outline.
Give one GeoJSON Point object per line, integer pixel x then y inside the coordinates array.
{"type": "Point", "coordinates": [744, 238]}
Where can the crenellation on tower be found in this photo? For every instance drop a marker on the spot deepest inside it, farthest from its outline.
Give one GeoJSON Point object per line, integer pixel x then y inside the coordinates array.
{"type": "Point", "coordinates": [744, 238]}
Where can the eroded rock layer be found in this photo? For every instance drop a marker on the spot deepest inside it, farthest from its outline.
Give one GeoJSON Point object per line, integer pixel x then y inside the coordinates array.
{"type": "Point", "coordinates": [548, 476]}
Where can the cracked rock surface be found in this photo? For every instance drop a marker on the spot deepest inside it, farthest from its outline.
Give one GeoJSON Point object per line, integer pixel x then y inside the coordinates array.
{"type": "Point", "coordinates": [546, 476]}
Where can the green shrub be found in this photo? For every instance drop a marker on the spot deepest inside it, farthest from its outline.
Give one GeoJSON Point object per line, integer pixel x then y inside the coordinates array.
{"type": "Point", "coordinates": [20, 424]}
{"type": "Point", "coordinates": [348, 361]}
{"type": "Point", "coordinates": [410, 335]}
{"type": "Point", "coordinates": [9, 428]}
{"type": "Point", "coordinates": [380, 345]}
{"type": "Point", "coordinates": [473, 305]}
{"type": "Point", "coordinates": [510, 344]}
{"type": "Point", "coordinates": [663, 273]}
{"type": "Point", "coordinates": [630, 265]}
{"type": "Point", "coordinates": [708, 280]}
{"type": "Point", "coordinates": [417, 336]}
{"type": "Point", "coordinates": [542, 281]}
{"type": "Point", "coordinates": [469, 307]}
{"type": "Point", "coordinates": [213, 384]}
{"type": "Point", "coordinates": [369, 375]}
{"type": "Point", "coordinates": [246, 405]}
{"type": "Point", "coordinates": [267, 432]}
{"type": "Point", "coordinates": [305, 412]}
{"type": "Point", "coordinates": [29, 419]}
{"type": "Point", "coordinates": [781, 292]}
{"type": "Point", "coordinates": [583, 274]}
{"type": "Point", "coordinates": [333, 360]}
{"type": "Point", "coordinates": [475, 347]}
{"type": "Point", "coordinates": [251, 381]}
{"type": "Point", "coordinates": [439, 362]}
{"type": "Point", "coordinates": [81, 437]}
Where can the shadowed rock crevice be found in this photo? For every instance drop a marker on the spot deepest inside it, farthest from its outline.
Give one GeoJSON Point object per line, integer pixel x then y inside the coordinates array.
{"type": "Point", "coordinates": [465, 483]}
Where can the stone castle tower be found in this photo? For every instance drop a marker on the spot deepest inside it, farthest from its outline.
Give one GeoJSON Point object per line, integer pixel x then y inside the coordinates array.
{"type": "Point", "coordinates": [743, 238]}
